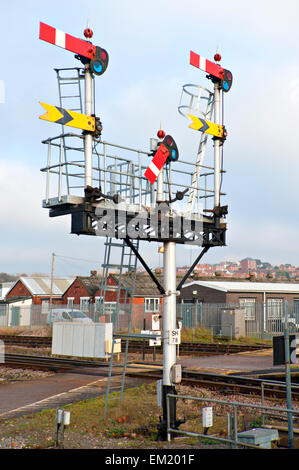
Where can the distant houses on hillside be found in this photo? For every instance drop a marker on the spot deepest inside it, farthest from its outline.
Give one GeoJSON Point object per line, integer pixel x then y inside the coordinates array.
{"type": "Point", "coordinates": [246, 268]}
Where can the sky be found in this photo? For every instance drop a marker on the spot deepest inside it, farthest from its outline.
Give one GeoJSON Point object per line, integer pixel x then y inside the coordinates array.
{"type": "Point", "coordinates": [149, 44]}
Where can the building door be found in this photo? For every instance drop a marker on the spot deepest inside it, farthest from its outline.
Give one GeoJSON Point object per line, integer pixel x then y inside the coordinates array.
{"type": "Point", "coordinates": [191, 313]}
{"type": "Point", "coordinates": [15, 316]}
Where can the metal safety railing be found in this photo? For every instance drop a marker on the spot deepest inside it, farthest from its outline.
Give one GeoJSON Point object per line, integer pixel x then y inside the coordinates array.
{"type": "Point", "coordinates": [235, 441]}
{"type": "Point", "coordinates": [119, 169]}
{"type": "Point", "coordinates": [278, 385]}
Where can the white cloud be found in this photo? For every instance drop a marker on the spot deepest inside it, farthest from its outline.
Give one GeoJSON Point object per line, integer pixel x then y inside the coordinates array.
{"type": "Point", "coordinates": [23, 189]}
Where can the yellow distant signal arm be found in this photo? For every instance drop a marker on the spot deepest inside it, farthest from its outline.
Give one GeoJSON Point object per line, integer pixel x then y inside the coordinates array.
{"type": "Point", "coordinates": [208, 127]}
{"type": "Point", "coordinates": [67, 117]}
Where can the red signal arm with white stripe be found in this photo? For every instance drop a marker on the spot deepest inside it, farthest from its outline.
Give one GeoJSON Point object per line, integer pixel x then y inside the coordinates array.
{"type": "Point", "coordinates": [66, 41]}
{"type": "Point", "coordinates": [206, 65]}
{"type": "Point", "coordinates": [157, 163]}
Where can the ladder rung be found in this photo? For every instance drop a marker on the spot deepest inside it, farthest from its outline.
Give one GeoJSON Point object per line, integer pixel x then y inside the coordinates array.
{"type": "Point", "coordinates": [70, 96]}
{"type": "Point", "coordinates": [120, 245]}
{"type": "Point", "coordinates": [71, 80]}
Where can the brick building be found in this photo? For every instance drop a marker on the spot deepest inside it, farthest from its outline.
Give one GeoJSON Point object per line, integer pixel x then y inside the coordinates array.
{"type": "Point", "coordinates": [260, 299]}
{"type": "Point", "coordinates": [223, 291]}
{"type": "Point", "coordinates": [38, 289]}
{"type": "Point", "coordinates": [82, 292]}
{"type": "Point", "coordinates": [248, 264]}
{"type": "Point", "coordinates": [85, 293]}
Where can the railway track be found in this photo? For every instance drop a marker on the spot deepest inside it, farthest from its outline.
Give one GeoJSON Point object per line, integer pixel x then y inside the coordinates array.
{"type": "Point", "coordinates": [186, 348]}
{"type": "Point", "coordinates": [228, 383]}
{"type": "Point", "coordinates": [224, 383]}
{"type": "Point", "coordinates": [47, 363]}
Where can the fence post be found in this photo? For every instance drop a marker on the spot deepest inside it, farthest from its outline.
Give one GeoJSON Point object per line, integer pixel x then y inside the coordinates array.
{"type": "Point", "coordinates": [263, 402]}
{"type": "Point", "coordinates": [235, 425]}
{"type": "Point", "coordinates": [229, 429]}
{"type": "Point", "coordinates": [168, 420]}
{"type": "Point", "coordinates": [288, 374]}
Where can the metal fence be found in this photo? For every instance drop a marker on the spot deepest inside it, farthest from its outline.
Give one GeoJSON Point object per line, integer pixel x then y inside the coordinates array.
{"type": "Point", "coordinates": [254, 319]}
{"type": "Point", "coordinates": [261, 320]}
{"type": "Point", "coordinates": [233, 438]}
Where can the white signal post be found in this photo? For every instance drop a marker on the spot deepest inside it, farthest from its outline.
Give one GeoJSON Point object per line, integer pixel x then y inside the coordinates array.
{"type": "Point", "coordinates": [160, 182]}
{"type": "Point", "coordinates": [169, 313]}
{"type": "Point", "coordinates": [169, 310]}
{"type": "Point", "coordinates": [88, 110]}
{"type": "Point", "coordinates": [88, 136]}
{"type": "Point", "coordinates": [217, 168]}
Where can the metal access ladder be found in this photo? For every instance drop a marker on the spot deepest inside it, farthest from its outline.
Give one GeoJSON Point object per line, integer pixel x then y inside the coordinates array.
{"type": "Point", "coordinates": [70, 97]}
{"type": "Point", "coordinates": [196, 96]}
{"type": "Point", "coordinates": [199, 159]}
{"type": "Point", "coordinates": [126, 275]}
{"type": "Point", "coordinates": [69, 88]}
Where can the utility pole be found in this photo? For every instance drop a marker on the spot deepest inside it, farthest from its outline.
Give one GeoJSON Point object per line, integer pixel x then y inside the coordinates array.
{"type": "Point", "coordinates": [51, 287]}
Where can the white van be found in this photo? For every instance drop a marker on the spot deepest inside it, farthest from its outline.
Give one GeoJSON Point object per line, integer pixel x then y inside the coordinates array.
{"type": "Point", "coordinates": [61, 314]}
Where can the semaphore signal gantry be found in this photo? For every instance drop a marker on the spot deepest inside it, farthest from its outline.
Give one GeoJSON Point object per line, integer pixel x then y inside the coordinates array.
{"type": "Point", "coordinates": [115, 191]}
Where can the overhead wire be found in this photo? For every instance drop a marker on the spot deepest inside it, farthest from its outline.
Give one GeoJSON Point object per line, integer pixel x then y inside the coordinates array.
{"type": "Point", "coordinates": [77, 259]}
{"type": "Point", "coordinates": [69, 263]}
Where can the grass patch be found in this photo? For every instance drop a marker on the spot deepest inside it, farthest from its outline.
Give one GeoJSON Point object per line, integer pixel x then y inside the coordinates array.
{"type": "Point", "coordinates": [136, 420]}
{"type": "Point", "coordinates": [206, 336]}
{"type": "Point", "coordinates": [134, 425]}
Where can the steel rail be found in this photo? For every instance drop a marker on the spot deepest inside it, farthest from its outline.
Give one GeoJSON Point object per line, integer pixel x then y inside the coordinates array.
{"type": "Point", "coordinates": [193, 347]}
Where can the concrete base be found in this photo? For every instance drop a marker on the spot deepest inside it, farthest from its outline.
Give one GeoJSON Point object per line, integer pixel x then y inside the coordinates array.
{"type": "Point", "coordinates": [259, 437]}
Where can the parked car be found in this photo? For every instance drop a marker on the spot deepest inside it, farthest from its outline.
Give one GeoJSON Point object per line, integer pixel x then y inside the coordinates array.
{"type": "Point", "coordinates": [67, 315]}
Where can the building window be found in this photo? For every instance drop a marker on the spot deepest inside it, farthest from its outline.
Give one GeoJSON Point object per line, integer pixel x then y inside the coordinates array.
{"type": "Point", "coordinates": [98, 304]}
{"type": "Point", "coordinates": [45, 306]}
{"type": "Point", "coordinates": [249, 307]}
{"type": "Point", "coordinates": [296, 309]}
{"type": "Point", "coordinates": [109, 308]}
{"type": "Point", "coordinates": [152, 305]}
{"type": "Point", "coordinates": [84, 304]}
{"type": "Point", "coordinates": [70, 303]}
{"type": "Point", "coordinates": [274, 307]}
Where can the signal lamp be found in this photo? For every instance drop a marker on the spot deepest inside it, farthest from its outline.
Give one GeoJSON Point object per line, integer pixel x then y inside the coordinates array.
{"type": "Point", "coordinates": [227, 80]}
{"type": "Point", "coordinates": [100, 62]}
{"type": "Point", "coordinates": [172, 149]}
